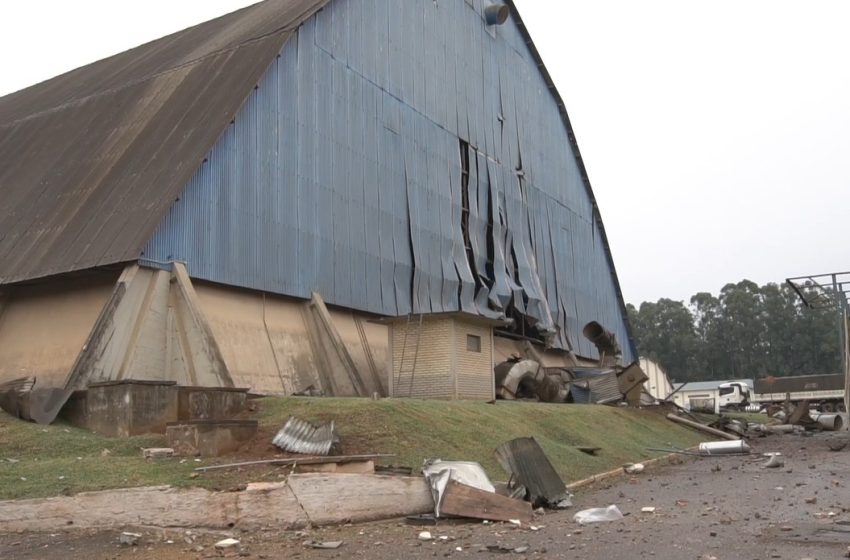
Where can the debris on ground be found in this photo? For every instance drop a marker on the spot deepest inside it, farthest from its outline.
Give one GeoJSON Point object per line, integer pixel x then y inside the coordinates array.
{"type": "Point", "coordinates": [589, 450]}
{"type": "Point", "coordinates": [524, 377]}
{"type": "Point", "coordinates": [462, 489]}
{"type": "Point", "coordinates": [330, 545]}
{"type": "Point", "coordinates": [648, 509]}
{"type": "Point", "coordinates": [158, 453]}
{"type": "Point", "coordinates": [425, 536]}
{"type": "Point", "coordinates": [129, 539]}
{"type": "Point", "coordinates": [527, 465]}
{"type": "Point", "coordinates": [838, 445]}
{"type": "Point", "coordinates": [702, 427]}
{"type": "Point", "coordinates": [302, 437]}
{"type": "Point", "coordinates": [228, 547]}
{"type": "Point", "coordinates": [738, 447]}
{"type": "Point", "coordinates": [634, 468]}
{"type": "Point", "coordinates": [460, 500]}
{"type": "Point", "coordinates": [598, 515]}
{"type": "Point", "coordinates": [774, 461]}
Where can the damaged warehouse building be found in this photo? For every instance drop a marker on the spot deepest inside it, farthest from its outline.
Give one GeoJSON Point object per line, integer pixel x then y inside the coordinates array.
{"type": "Point", "coordinates": [342, 197]}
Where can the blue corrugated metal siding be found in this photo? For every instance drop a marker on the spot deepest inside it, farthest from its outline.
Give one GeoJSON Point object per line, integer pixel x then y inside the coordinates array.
{"type": "Point", "coordinates": [342, 174]}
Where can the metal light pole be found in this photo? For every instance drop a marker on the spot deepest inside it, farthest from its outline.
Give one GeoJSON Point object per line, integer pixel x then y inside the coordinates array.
{"type": "Point", "coordinates": [816, 292]}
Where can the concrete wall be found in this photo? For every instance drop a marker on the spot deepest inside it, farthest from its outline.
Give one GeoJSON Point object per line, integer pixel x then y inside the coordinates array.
{"type": "Point", "coordinates": [43, 327]}
{"type": "Point", "coordinates": [156, 325]}
{"type": "Point", "coordinates": [266, 346]}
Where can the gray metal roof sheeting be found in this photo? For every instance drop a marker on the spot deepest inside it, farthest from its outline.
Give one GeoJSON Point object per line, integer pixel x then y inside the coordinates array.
{"type": "Point", "coordinates": [300, 436]}
{"type": "Point", "coordinates": [91, 160]}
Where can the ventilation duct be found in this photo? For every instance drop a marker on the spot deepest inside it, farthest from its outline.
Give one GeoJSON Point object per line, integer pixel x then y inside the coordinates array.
{"type": "Point", "coordinates": [496, 14]}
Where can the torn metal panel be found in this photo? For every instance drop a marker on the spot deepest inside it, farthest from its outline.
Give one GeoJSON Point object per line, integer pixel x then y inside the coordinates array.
{"type": "Point", "coordinates": [373, 191]}
{"type": "Point", "coordinates": [595, 386]}
{"type": "Point", "coordinates": [524, 460]}
{"type": "Point", "coordinates": [302, 437]}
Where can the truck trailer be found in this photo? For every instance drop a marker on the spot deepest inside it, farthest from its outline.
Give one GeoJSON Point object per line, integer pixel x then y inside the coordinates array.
{"type": "Point", "coordinates": [824, 392]}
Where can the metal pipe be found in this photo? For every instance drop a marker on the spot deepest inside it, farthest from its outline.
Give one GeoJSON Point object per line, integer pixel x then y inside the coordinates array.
{"type": "Point", "coordinates": [496, 14]}
{"type": "Point", "coordinates": [605, 341]}
{"type": "Point", "coordinates": [724, 447]}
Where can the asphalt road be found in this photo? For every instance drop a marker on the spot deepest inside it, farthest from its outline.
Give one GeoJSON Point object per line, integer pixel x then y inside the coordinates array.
{"type": "Point", "coordinates": [723, 508]}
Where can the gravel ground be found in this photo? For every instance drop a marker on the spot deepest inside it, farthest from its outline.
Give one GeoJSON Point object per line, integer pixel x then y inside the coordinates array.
{"type": "Point", "coordinates": [723, 508]}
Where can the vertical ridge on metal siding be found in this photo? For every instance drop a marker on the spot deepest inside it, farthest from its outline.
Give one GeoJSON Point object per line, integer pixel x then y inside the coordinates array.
{"type": "Point", "coordinates": [342, 174]}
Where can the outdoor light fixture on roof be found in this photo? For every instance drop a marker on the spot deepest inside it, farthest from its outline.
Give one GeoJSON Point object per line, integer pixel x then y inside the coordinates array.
{"type": "Point", "coordinates": [496, 14]}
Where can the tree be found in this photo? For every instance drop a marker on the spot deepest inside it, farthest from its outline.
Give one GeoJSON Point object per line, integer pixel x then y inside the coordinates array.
{"type": "Point", "coordinates": [745, 331]}
{"type": "Point", "coordinates": [665, 333]}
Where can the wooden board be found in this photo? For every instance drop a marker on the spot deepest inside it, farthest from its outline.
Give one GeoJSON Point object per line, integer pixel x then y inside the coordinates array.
{"type": "Point", "coordinates": [329, 499]}
{"type": "Point", "coordinates": [460, 500]}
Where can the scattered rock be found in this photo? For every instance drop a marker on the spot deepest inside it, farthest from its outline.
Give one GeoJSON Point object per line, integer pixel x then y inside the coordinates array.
{"type": "Point", "coordinates": [330, 545]}
{"type": "Point", "coordinates": [228, 547]}
{"type": "Point", "coordinates": [129, 539]}
{"type": "Point", "coordinates": [812, 500]}
{"type": "Point", "coordinates": [633, 468]}
{"type": "Point", "coordinates": [425, 536]}
{"type": "Point", "coordinates": [647, 510]}
{"type": "Point", "coordinates": [158, 453]}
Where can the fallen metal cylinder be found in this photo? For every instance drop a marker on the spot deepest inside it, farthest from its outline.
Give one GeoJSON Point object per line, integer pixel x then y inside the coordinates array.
{"type": "Point", "coordinates": [724, 447]}
{"type": "Point", "coordinates": [832, 422]}
{"type": "Point", "coordinates": [701, 427]}
{"type": "Point", "coordinates": [604, 340]}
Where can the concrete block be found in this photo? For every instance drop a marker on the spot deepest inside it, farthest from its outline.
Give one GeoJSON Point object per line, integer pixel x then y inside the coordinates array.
{"type": "Point", "coordinates": [210, 403]}
{"type": "Point", "coordinates": [209, 438]}
{"type": "Point", "coordinates": [129, 408]}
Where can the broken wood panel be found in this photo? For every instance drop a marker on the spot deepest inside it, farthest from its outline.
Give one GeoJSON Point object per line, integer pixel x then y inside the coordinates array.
{"type": "Point", "coordinates": [524, 460]}
{"type": "Point", "coordinates": [460, 500]}
{"type": "Point", "coordinates": [339, 498]}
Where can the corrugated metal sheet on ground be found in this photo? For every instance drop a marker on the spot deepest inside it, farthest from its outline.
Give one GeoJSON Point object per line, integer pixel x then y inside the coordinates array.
{"type": "Point", "coordinates": [300, 436]}
{"type": "Point", "coordinates": [343, 174]}
{"type": "Point", "coordinates": [524, 460]}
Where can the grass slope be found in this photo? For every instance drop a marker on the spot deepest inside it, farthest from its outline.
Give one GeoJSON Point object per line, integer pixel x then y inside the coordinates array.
{"type": "Point", "coordinates": [58, 459]}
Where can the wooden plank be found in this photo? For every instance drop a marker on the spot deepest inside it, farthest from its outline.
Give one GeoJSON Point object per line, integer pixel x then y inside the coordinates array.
{"type": "Point", "coordinates": [342, 498]}
{"type": "Point", "coordinates": [299, 461]}
{"type": "Point", "coordinates": [460, 500]}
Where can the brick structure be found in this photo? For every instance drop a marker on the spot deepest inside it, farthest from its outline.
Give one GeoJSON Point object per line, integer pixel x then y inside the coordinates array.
{"type": "Point", "coordinates": [443, 356]}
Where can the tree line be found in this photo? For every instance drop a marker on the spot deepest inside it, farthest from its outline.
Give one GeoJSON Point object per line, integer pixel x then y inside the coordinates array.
{"type": "Point", "coordinates": [747, 331]}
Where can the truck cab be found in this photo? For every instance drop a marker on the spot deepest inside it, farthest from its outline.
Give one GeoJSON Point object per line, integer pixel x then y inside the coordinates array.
{"type": "Point", "coordinates": [734, 395]}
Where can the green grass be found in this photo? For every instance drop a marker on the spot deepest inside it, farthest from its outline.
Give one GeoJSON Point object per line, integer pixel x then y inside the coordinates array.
{"type": "Point", "coordinates": [57, 460]}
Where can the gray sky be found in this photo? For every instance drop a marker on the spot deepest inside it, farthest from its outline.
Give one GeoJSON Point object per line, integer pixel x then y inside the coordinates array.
{"type": "Point", "coordinates": [716, 134]}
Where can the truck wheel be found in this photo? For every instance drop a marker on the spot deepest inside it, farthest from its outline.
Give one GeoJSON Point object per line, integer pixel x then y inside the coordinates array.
{"type": "Point", "coordinates": [841, 408]}
{"type": "Point", "coordinates": [827, 407]}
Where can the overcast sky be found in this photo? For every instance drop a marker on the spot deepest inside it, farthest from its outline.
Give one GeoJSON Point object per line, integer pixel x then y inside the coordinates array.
{"type": "Point", "coordinates": [716, 134]}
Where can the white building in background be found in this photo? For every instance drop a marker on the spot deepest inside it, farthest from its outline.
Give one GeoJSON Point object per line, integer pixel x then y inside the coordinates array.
{"type": "Point", "coordinates": [658, 385]}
